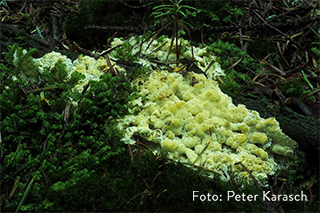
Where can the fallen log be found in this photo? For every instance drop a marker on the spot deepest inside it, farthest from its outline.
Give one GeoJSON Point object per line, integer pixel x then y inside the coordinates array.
{"type": "Point", "coordinates": [303, 129]}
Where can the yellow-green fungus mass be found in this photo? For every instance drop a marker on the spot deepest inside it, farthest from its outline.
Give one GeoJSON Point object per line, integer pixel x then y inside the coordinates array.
{"type": "Point", "coordinates": [196, 123]}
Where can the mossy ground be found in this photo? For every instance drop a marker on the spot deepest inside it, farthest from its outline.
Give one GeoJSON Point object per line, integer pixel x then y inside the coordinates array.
{"type": "Point", "coordinates": [52, 160]}
{"type": "Point", "coordinates": [61, 157]}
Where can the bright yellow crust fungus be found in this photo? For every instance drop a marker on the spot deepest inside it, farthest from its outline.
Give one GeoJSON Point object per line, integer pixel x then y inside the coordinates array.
{"type": "Point", "coordinates": [196, 123]}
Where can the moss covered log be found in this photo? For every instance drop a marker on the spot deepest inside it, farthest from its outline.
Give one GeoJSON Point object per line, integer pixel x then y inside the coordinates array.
{"type": "Point", "coordinates": [305, 130]}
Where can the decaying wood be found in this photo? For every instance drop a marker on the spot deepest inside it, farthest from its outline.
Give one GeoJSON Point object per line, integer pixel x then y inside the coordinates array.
{"type": "Point", "coordinates": [11, 35]}
{"type": "Point", "coordinates": [305, 130]}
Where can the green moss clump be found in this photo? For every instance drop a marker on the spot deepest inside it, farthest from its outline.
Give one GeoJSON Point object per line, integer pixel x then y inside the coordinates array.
{"type": "Point", "coordinates": [213, 11]}
{"type": "Point", "coordinates": [21, 62]}
{"type": "Point", "coordinates": [294, 88]}
{"type": "Point", "coordinates": [242, 73]}
{"type": "Point", "coordinates": [55, 136]}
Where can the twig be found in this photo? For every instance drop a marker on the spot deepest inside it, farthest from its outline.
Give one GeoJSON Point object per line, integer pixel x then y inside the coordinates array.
{"type": "Point", "coordinates": [45, 177]}
{"type": "Point", "coordinates": [154, 179]}
{"type": "Point", "coordinates": [314, 32]}
{"type": "Point", "coordinates": [279, 31]}
{"type": "Point", "coordinates": [171, 44]}
{"type": "Point", "coordinates": [136, 7]}
{"type": "Point", "coordinates": [158, 48]}
{"type": "Point", "coordinates": [309, 188]}
{"type": "Point", "coordinates": [1, 149]}
{"type": "Point", "coordinates": [254, 179]}
{"type": "Point", "coordinates": [156, 35]}
{"type": "Point", "coordinates": [202, 42]}
{"type": "Point", "coordinates": [54, 27]}
{"type": "Point", "coordinates": [201, 152]}
{"type": "Point", "coordinates": [66, 112]}
{"type": "Point", "coordinates": [241, 38]}
{"type": "Point", "coordinates": [273, 67]}
{"type": "Point", "coordinates": [110, 49]}
{"type": "Point", "coordinates": [14, 186]}
{"type": "Point", "coordinates": [25, 194]}
{"type": "Point", "coordinates": [189, 35]}
{"type": "Point", "coordinates": [142, 144]}
{"type": "Point", "coordinates": [140, 48]}
{"type": "Point", "coordinates": [255, 77]}
{"type": "Point", "coordinates": [111, 66]}
{"type": "Point", "coordinates": [203, 183]}
{"type": "Point", "coordinates": [41, 89]}
{"type": "Point", "coordinates": [281, 53]}
{"type": "Point", "coordinates": [130, 152]}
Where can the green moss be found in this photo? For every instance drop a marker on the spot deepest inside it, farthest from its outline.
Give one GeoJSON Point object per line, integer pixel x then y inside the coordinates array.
{"type": "Point", "coordinates": [242, 73]}
{"type": "Point", "coordinates": [21, 63]}
{"type": "Point", "coordinates": [68, 157]}
{"type": "Point", "coordinates": [124, 52]}
{"type": "Point", "coordinates": [315, 48]}
{"type": "Point", "coordinates": [294, 88]}
{"type": "Point", "coordinates": [260, 48]}
{"type": "Point", "coordinates": [54, 140]}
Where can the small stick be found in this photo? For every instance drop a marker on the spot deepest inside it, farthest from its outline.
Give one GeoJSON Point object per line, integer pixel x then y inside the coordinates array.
{"type": "Point", "coordinates": [254, 179]}
{"type": "Point", "coordinates": [203, 183]}
{"type": "Point", "coordinates": [279, 31]}
{"type": "Point", "coordinates": [201, 152]}
{"type": "Point", "coordinates": [41, 89]}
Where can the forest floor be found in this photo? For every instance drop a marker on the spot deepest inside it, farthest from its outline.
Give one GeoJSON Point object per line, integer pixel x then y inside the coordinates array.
{"type": "Point", "coordinates": [282, 38]}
